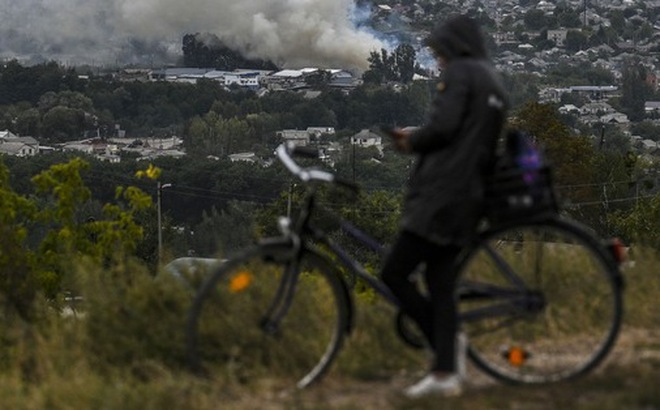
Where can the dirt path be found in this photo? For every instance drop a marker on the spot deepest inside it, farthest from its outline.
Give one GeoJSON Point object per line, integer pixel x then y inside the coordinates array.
{"type": "Point", "coordinates": [636, 354]}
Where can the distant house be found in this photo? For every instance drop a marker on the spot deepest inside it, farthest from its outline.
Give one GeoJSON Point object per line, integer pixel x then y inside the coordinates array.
{"type": "Point", "coordinates": [651, 106]}
{"type": "Point", "coordinates": [17, 149]}
{"type": "Point", "coordinates": [304, 137]}
{"type": "Point", "coordinates": [5, 135]}
{"type": "Point", "coordinates": [178, 73]}
{"type": "Point", "coordinates": [11, 144]}
{"type": "Point", "coordinates": [243, 157]}
{"type": "Point", "coordinates": [568, 108]}
{"type": "Point", "coordinates": [552, 94]}
{"type": "Point", "coordinates": [545, 6]}
{"type": "Point", "coordinates": [296, 79]}
{"type": "Point", "coordinates": [505, 37]}
{"type": "Point", "coordinates": [81, 146]}
{"type": "Point", "coordinates": [319, 131]}
{"type": "Point", "coordinates": [595, 92]}
{"type": "Point", "coordinates": [596, 108]}
{"type": "Point", "coordinates": [615, 118]}
{"type": "Point", "coordinates": [111, 158]}
{"type": "Point", "coordinates": [242, 78]}
{"type": "Point", "coordinates": [538, 63]}
{"type": "Point", "coordinates": [558, 36]}
{"type": "Point", "coordinates": [298, 137]}
{"type": "Point", "coordinates": [366, 138]}
{"type": "Point", "coordinates": [134, 74]}
{"type": "Point", "coordinates": [649, 145]}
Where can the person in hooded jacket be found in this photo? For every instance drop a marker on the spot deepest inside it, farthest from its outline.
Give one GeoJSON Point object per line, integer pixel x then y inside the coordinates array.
{"type": "Point", "coordinates": [442, 205]}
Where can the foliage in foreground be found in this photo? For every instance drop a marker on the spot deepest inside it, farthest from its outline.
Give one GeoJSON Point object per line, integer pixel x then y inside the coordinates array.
{"type": "Point", "coordinates": [43, 233]}
{"type": "Point", "coordinates": [122, 349]}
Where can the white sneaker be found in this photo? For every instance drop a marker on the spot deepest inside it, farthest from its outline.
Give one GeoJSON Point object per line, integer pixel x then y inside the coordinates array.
{"type": "Point", "coordinates": [432, 385]}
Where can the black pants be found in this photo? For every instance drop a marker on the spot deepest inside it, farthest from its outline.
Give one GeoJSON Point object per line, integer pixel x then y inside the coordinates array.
{"type": "Point", "coordinates": [435, 313]}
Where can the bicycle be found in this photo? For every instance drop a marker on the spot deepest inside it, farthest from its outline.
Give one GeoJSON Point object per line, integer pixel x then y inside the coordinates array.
{"type": "Point", "coordinates": [526, 321]}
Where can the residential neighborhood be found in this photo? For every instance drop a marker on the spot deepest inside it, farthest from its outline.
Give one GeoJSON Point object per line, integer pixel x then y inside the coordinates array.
{"type": "Point", "coordinates": [527, 37]}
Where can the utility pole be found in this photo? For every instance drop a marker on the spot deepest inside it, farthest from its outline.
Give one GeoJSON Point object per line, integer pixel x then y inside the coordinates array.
{"type": "Point", "coordinates": [353, 142]}
{"type": "Point", "coordinates": [288, 204]}
{"type": "Point", "coordinates": [160, 224]}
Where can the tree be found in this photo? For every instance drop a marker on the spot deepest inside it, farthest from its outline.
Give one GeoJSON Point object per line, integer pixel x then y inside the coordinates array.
{"type": "Point", "coordinates": [399, 65]}
{"type": "Point", "coordinates": [645, 32]}
{"type": "Point", "coordinates": [69, 99]}
{"type": "Point", "coordinates": [404, 61]}
{"type": "Point", "coordinates": [17, 267]}
{"type": "Point", "coordinates": [617, 21]}
{"type": "Point", "coordinates": [613, 140]}
{"type": "Point", "coordinates": [569, 17]}
{"type": "Point", "coordinates": [215, 135]}
{"type": "Point", "coordinates": [225, 231]}
{"type": "Point", "coordinates": [646, 130]}
{"type": "Point", "coordinates": [576, 40]}
{"type": "Point", "coordinates": [18, 83]}
{"type": "Point", "coordinates": [604, 35]}
{"type": "Point", "coordinates": [640, 225]}
{"type": "Point", "coordinates": [522, 87]}
{"type": "Point", "coordinates": [206, 50]}
{"type": "Point", "coordinates": [380, 68]}
{"type": "Point", "coordinates": [634, 89]}
{"type": "Point", "coordinates": [62, 124]}
{"type": "Point", "coordinates": [535, 19]}
{"type": "Point", "coordinates": [570, 155]}
{"type": "Point", "coordinates": [51, 215]}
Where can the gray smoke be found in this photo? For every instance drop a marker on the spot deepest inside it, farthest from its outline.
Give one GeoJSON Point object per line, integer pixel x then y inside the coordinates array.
{"type": "Point", "coordinates": [292, 33]}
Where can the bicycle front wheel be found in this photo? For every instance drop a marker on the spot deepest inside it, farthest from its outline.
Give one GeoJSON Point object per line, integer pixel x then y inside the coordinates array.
{"type": "Point", "coordinates": [266, 314]}
{"type": "Point", "coordinates": [549, 302]}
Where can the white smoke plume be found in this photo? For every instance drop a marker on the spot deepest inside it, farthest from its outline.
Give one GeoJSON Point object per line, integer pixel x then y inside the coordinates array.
{"type": "Point", "coordinates": [291, 33]}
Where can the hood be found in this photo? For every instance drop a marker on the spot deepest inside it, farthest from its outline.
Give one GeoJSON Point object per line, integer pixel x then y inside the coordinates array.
{"type": "Point", "coordinates": [456, 38]}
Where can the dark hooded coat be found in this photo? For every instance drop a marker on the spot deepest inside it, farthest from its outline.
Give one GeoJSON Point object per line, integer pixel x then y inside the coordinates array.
{"type": "Point", "coordinates": [456, 146]}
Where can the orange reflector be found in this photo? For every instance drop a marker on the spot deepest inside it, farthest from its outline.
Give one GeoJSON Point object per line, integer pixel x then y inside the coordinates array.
{"type": "Point", "coordinates": [618, 250]}
{"type": "Point", "coordinates": [516, 356]}
{"type": "Point", "coordinates": [240, 282]}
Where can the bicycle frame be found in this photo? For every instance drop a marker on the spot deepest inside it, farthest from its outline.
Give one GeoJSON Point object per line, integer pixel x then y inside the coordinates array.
{"type": "Point", "coordinates": [515, 300]}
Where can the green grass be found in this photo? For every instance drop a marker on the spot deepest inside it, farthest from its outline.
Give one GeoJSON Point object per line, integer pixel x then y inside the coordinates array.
{"type": "Point", "coordinates": [125, 352]}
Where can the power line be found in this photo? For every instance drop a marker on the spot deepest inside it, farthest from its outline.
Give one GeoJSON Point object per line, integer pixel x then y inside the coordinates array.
{"type": "Point", "coordinates": [214, 194]}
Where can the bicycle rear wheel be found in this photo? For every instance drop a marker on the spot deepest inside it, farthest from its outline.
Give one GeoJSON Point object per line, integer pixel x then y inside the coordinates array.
{"type": "Point", "coordinates": [257, 317]}
{"type": "Point", "coordinates": [557, 320]}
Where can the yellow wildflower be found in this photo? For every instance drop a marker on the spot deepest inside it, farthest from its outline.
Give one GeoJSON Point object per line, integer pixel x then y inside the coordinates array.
{"type": "Point", "coordinates": [152, 172]}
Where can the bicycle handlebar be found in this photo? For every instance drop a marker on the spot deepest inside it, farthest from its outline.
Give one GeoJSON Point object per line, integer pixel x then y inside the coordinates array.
{"type": "Point", "coordinates": [285, 151]}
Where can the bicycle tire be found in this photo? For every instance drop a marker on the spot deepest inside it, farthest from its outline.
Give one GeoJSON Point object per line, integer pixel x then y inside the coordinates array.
{"type": "Point", "coordinates": [225, 329]}
{"type": "Point", "coordinates": [581, 290]}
